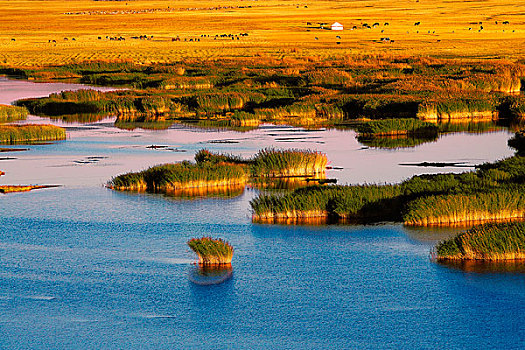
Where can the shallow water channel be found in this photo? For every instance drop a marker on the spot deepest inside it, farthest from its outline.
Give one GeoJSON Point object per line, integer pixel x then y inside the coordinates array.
{"type": "Point", "coordinates": [82, 266]}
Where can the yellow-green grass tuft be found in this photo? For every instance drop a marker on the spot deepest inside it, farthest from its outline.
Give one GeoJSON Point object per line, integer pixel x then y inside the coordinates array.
{"type": "Point", "coordinates": [212, 251]}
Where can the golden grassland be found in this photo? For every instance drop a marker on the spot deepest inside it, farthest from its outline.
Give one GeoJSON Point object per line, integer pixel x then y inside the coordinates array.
{"type": "Point", "coordinates": [33, 32]}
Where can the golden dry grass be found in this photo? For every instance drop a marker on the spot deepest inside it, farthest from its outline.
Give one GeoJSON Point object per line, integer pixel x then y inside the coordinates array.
{"type": "Point", "coordinates": [276, 28]}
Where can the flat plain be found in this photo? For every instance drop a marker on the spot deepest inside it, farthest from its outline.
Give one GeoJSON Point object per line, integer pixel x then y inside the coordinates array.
{"type": "Point", "coordinates": [50, 32]}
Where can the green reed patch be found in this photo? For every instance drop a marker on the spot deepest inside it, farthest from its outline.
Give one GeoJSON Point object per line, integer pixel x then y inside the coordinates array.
{"type": "Point", "coordinates": [212, 251]}
{"type": "Point", "coordinates": [493, 191]}
{"type": "Point", "coordinates": [12, 113]}
{"type": "Point", "coordinates": [498, 241]}
{"type": "Point", "coordinates": [31, 133]}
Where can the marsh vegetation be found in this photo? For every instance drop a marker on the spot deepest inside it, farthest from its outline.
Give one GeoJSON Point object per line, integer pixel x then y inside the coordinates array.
{"type": "Point", "coordinates": [211, 251]}
{"type": "Point", "coordinates": [12, 113]}
{"type": "Point", "coordinates": [492, 242]}
{"type": "Point", "coordinates": [214, 170]}
{"type": "Point", "coordinates": [388, 95]}
{"type": "Point", "coordinates": [493, 192]}
{"type": "Point", "coordinates": [30, 133]}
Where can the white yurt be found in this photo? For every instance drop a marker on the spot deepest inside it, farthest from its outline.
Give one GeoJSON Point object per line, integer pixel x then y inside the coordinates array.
{"type": "Point", "coordinates": [337, 26]}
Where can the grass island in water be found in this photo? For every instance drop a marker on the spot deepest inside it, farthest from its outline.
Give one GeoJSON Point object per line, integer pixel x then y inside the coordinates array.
{"type": "Point", "coordinates": [494, 192]}
{"type": "Point", "coordinates": [490, 242]}
{"type": "Point", "coordinates": [212, 170]}
{"type": "Point", "coordinates": [31, 133]}
{"type": "Point", "coordinates": [212, 251]}
{"type": "Point", "coordinates": [12, 113]}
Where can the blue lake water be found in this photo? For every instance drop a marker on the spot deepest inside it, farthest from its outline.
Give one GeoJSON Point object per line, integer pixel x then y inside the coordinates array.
{"type": "Point", "coordinates": [85, 267]}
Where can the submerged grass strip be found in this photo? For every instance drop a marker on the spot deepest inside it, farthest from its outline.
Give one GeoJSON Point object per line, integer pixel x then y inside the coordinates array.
{"type": "Point", "coordinates": [22, 188]}
{"type": "Point", "coordinates": [503, 241]}
{"type": "Point", "coordinates": [212, 251]}
{"type": "Point", "coordinates": [31, 132]}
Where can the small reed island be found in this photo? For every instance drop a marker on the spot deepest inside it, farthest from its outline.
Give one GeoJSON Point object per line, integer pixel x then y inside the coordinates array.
{"type": "Point", "coordinates": [489, 242]}
{"type": "Point", "coordinates": [494, 192]}
{"type": "Point", "coordinates": [213, 171]}
{"type": "Point", "coordinates": [25, 133]}
{"type": "Point", "coordinates": [212, 252]}
{"type": "Point", "coordinates": [10, 114]}
{"type": "Point", "coordinates": [31, 133]}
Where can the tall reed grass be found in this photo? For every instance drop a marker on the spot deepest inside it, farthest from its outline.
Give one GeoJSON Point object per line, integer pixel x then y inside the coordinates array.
{"type": "Point", "coordinates": [500, 241]}
{"type": "Point", "coordinates": [12, 113]}
{"type": "Point", "coordinates": [281, 163]}
{"type": "Point", "coordinates": [212, 251]}
{"type": "Point", "coordinates": [170, 177]}
{"type": "Point", "coordinates": [493, 192]}
{"type": "Point", "coordinates": [30, 133]}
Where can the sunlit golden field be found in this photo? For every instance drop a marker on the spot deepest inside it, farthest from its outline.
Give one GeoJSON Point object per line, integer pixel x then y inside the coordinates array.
{"type": "Point", "coordinates": [447, 29]}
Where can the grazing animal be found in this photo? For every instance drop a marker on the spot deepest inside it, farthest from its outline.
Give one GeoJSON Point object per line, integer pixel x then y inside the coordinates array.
{"type": "Point", "coordinates": [308, 23]}
{"type": "Point", "coordinates": [338, 37]}
{"type": "Point", "coordinates": [386, 24]}
{"type": "Point", "coordinates": [417, 23]}
{"type": "Point", "coordinates": [316, 38]}
{"type": "Point", "coordinates": [506, 22]}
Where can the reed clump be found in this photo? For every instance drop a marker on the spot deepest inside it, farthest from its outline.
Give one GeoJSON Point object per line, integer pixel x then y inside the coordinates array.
{"type": "Point", "coordinates": [12, 113]}
{"type": "Point", "coordinates": [31, 133]}
{"type": "Point", "coordinates": [212, 251]}
{"type": "Point", "coordinates": [184, 175]}
{"type": "Point", "coordinates": [490, 242]}
{"type": "Point", "coordinates": [285, 163]}
{"type": "Point", "coordinates": [469, 208]}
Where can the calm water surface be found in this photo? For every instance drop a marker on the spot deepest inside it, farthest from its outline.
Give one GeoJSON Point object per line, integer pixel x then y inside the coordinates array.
{"type": "Point", "coordinates": [84, 267]}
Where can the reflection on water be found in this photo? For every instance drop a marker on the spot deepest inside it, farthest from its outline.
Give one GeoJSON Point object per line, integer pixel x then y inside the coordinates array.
{"type": "Point", "coordinates": [470, 127]}
{"type": "Point", "coordinates": [210, 275]}
{"type": "Point", "coordinates": [395, 141]}
{"type": "Point", "coordinates": [81, 118]}
{"type": "Point", "coordinates": [477, 266]}
{"type": "Point", "coordinates": [225, 192]}
{"type": "Point", "coordinates": [432, 234]}
{"type": "Point", "coordinates": [146, 125]}
{"type": "Point", "coordinates": [210, 192]}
